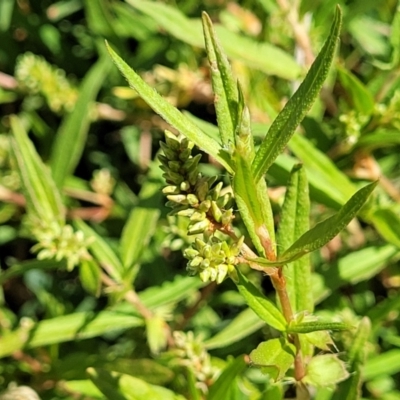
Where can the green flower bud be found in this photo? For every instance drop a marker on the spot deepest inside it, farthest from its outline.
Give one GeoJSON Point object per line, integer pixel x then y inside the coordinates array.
{"type": "Point", "coordinates": [223, 200]}
{"type": "Point", "coordinates": [200, 244]}
{"type": "Point", "coordinates": [192, 163]}
{"type": "Point", "coordinates": [216, 190]}
{"type": "Point", "coordinates": [173, 177]}
{"type": "Point", "coordinates": [227, 217]}
{"type": "Point", "coordinates": [222, 271]}
{"type": "Point", "coordinates": [198, 227]}
{"type": "Point", "coordinates": [216, 212]}
{"type": "Point", "coordinates": [185, 154]}
{"type": "Point", "coordinates": [171, 190]}
{"type": "Point", "coordinates": [168, 152]}
{"type": "Point", "coordinates": [175, 166]}
{"type": "Point", "coordinates": [172, 140]}
{"type": "Point", "coordinates": [187, 212]}
{"type": "Point", "coordinates": [195, 262]}
{"type": "Point", "coordinates": [205, 275]}
{"type": "Point", "coordinates": [207, 252]}
{"type": "Point", "coordinates": [198, 216]}
{"type": "Point", "coordinates": [178, 198]}
{"type": "Point", "coordinates": [202, 189]}
{"type": "Point", "coordinates": [205, 205]}
{"type": "Point", "coordinates": [205, 264]}
{"type": "Point", "coordinates": [213, 274]}
{"type": "Point", "coordinates": [190, 253]}
{"type": "Point", "coordinates": [192, 199]}
{"type": "Point", "coordinates": [185, 186]}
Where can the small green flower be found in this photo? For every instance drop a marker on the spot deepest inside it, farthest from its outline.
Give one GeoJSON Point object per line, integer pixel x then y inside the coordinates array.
{"type": "Point", "coordinates": [212, 260]}
{"type": "Point", "coordinates": [60, 243]}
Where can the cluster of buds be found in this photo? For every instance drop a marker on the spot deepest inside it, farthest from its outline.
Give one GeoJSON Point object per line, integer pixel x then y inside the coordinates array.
{"type": "Point", "coordinates": [37, 76]}
{"type": "Point", "coordinates": [204, 202]}
{"type": "Point", "coordinates": [212, 260]}
{"type": "Point", "coordinates": [190, 194]}
{"type": "Point", "coordinates": [189, 352]}
{"type": "Point", "coordinates": [60, 242]}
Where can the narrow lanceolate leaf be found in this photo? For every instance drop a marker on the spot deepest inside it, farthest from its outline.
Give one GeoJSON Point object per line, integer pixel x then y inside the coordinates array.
{"type": "Point", "coordinates": [326, 230]}
{"type": "Point", "coordinates": [118, 386]}
{"type": "Point", "coordinates": [263, 307]}
{"type": "Point", "coordinates": [243, 325]}
{"type": "Point", "coordinates": [246, 198]}
{"type": "Point", "coordinates": [274, 356]}
{"type": "Point", "coordinates": [71, 137]}
{"type": "Point", "coordinates": [77, 326]}
{"type": "Point", "coordinates": [298, 105]}
{"type": "Point", "coordinates": [42, 197]}
{"type": "Point", "coordinates": [295, 222]}
{"type": "Point", "coordinates": [102, 251]}
{"type": "Point", "coordinates": [171, 114]}
{"type": "Point", "coordinates": [351, 388]}
{"type": "Point", "coordinates": [222, 386]}
{"type": "Point", "coordinates": [361, 99]}
{"type": "Point", "coordinates": [223, 82]}
{"type": "Point", "coordinates": [314, 326]}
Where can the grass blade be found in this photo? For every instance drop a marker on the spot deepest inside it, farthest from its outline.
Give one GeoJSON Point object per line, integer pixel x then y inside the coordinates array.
{"type": "Point", "coordinates": [71, 136]}
{"type": "Point", "coordinates": [43, 198]}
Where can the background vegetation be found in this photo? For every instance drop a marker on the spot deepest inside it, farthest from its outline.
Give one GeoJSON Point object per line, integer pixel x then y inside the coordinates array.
{"type": "Point", "coordinates": [60, 313]}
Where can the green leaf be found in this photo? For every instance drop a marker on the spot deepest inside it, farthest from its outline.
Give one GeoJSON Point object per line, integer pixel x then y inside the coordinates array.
{"type": "Point", "coordinates": [223, 82]}
{"type": "Point", "coordinates": [313, 326]}
{"type": "Point", "coordinates": [298, 105]}
{"type": "Point", "coordinates": [295, 222]}
{"type": "Point", "coordinates": [77, 326]}
{"type": "Point", "coordinates": [72, 135]}
{"type": "Point", "coordinates": [136, 234]}
{"type": "Point", "coordinates": [84, 387]}
{"type": "Point", "coordinates": [351, 388]}
{"type": "Point", "coordinates": [221, 387]}
{"type": "Point", "coordinates": [118, 386]}
{"type": "Point", "coordinates": [170, 292]}
{"type": "Point", "coordinates": [90, 276]}
{"type": "Point", "coordinates": [355, 267]}
{"type": "Point", "coordinates": [325, 370]}
{"type": "Point", "coordinates": [141, 223]}
{"type": "Point", "coordinates": [360, 97]}
{"type": "Point", "coordinates": [251, 198]}
{"type": "Point", "coordinates": [387, 363]}
{"type": "Point", "coordinates": [102, 251]}
{"type": "Point", "coordinates": [263, 307]}
{"type": "Point", "coordinates": [171, 114]}
{"type": "Point", "coordinates": [326, 230]}
{"type": "Point", "coordinates": [24, 266]}
{"type": "Point", "coordinates": [323, 175]}
{"type": "Point", "coordinates": [156, 333]}
{"type": "Point", "coordinates": [274, 356]}
{"type": "Point", "coordinates": [262, 56]}
{"type": "Point", "coordinates": [42, 197]}
{"type": "Point", "coordinates": [243, 325]}
{"type": "Point", "coordinates": [386, 220]}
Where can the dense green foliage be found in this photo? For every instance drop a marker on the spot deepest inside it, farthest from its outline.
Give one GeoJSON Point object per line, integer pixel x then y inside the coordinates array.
{"type": "Point", "coordinates": [276, 145]}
